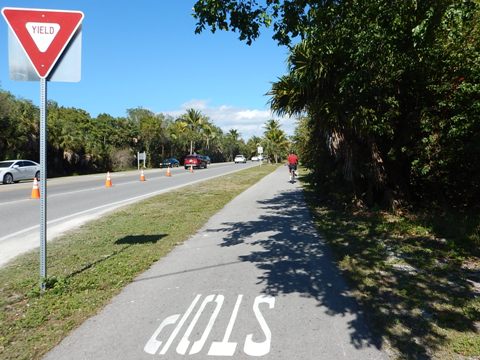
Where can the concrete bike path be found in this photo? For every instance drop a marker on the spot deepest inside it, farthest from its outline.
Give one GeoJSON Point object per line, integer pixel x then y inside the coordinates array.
{"type": "Point", "coordinates": [256, 281]}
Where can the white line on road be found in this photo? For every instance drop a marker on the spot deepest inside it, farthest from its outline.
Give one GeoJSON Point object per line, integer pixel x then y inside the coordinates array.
{"type": "Point", "coordinates": [102, 187]}
{"type": "Point", "coordinates": [56, 227]}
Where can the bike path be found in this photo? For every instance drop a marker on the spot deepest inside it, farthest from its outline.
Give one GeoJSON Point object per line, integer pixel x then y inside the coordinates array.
{"type": "Point", "coordinates": [257, 281]}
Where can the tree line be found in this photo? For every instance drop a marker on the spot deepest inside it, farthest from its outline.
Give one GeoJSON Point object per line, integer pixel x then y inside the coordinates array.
{"type": "Point", "coordinates": [387, 92]}
{"type": "Point", "coordinates": [80, 144]}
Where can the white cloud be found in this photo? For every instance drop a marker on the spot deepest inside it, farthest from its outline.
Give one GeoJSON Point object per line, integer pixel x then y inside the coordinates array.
{"type": "Point", "coordinates": [252, 114]}
{"type": "Point", "coordinates": [248, 122]}
{"type": "Point", "coordinates": [195, 104]}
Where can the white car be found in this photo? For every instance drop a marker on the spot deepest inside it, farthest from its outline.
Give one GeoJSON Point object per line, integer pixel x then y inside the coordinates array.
{"type": "Point", "coordinates": [15, 170]}
{"type": "Point", "coordinates": [254, 158]}
{"type": "Point", "coordinates": [240, 159]}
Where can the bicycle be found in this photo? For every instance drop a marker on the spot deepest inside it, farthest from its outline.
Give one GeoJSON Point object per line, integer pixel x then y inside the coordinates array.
{"type": "Point", "coordinates": [293, 173]}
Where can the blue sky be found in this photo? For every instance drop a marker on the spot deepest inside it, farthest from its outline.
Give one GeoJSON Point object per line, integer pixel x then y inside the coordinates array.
{"type": "Point", "coordinates": [145, 54]}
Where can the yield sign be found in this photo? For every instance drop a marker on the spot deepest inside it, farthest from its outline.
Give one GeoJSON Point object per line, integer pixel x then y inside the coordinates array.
{"type": "Point", "coordinates": [43, 34]}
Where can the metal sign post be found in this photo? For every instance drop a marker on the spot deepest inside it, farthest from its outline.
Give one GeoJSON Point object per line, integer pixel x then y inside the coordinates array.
{"type": "Point", "coordinates": [43, 183]}
{"type": "Point", "coordinates": [260, 152]}
{"type": "Point", "coordinates": [44, 34]}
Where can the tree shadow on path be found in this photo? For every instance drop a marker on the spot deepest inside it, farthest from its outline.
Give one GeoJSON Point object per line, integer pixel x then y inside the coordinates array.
{"type": "Point", "coordinates": [294, 259]}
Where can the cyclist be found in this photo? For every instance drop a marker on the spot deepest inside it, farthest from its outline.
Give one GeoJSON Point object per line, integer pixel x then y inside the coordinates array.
{"type": "Point", "coordinates": [292, 162]}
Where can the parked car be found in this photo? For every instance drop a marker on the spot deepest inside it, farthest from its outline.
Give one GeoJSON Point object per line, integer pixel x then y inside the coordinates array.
{"type": "Point", "coordinates": [15, 170]}
{"type": "Point", "coordinates": [240, 159]}
{"type": "Point", "coordinates": [255, 158]}
{"type": "Point", "coordinates": [196, 161]}
{"type": "Point", "coordinates": [170, 162]}
{"type": "Point", "coordinates": [207, 158]}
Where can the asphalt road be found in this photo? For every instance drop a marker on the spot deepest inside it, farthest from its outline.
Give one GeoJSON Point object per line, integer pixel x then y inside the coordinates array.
{"type": "Point", "coordinates": [72, 201]}
{"type": "Point", "coordinates": [256, 281]}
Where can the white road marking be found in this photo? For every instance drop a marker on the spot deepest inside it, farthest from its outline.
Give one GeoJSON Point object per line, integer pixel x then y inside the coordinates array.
{"type": "Point", "coordinates": [21, 241]}
{"type": "Point", "coordinates": [110, 206]}
{"type": "Point", "coordinates": [179, 326]}
{"type": "Point", "coordinates": [198, 345]}
{"type": "Point", "coordinates": [153, 344]}
{"type": "Point", "coordinates": [224, 347]}
{"type": "Point", "coordinates": [217, 348]}
{"type": "Point", "coordinates": [251, 347]}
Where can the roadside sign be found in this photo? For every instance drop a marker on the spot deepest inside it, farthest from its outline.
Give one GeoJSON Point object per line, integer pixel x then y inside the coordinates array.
{"type": "Point", "coordinates": [260, 150]}
{"type": "Point", "coordinates": [141, 156]}
{"type": "Point", "coordinates": [43, 34]}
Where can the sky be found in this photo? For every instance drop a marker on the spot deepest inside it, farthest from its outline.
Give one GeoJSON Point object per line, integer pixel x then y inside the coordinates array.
{"type": "Point", "coordinates": [145, 53]}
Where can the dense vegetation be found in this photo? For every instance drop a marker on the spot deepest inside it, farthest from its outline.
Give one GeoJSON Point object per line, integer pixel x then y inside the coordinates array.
{"type": "Point", "coordinates": [388, 91]}
{"type": "Point", "coordinates": [78, 143]}
{"type": "Point", "coordinates": [387, 94]}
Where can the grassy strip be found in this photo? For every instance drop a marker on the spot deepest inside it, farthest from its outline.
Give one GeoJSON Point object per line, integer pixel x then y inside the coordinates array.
{"type": "Point", "coordinates": [89, 266]}
{"type": "Point", "coordinates": [420, 289]}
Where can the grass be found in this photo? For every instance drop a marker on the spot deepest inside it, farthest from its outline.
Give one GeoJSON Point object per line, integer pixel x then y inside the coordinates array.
{"type": "Point", "coordinates": [89, 266]}
{"type": "Point", "coordinates": [417, 276]}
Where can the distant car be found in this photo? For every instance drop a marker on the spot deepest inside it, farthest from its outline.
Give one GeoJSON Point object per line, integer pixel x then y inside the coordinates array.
{"type": "Point", "coordinates": [240, 159]}
{"type": "Point", "coordinates": [196, 161]}
{"type": "Point", "coordinates": [206, 158]}
{"type": "Point", "coordinates": [170, 162]}
{"type": "Point", "coordinates": [15, 170]}
{"type": "Point", "coordinates": [255, 158]}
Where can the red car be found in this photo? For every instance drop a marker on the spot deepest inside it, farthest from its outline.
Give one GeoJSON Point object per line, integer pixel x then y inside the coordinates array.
{"type": "Point", "coordinates": [196, 161]}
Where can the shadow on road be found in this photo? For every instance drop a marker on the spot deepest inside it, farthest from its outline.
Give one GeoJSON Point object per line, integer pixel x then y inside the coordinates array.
{"type": "Point", "coordinates": [294, 259]}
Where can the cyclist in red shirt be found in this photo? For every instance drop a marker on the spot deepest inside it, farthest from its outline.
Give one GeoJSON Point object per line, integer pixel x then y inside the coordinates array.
{"type": "Point", "coordinates": [292, 162]}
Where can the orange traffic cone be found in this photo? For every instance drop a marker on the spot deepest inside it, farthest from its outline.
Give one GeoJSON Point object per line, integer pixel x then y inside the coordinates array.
{"type": "Point", "coordinates": [35, 190]}
{"type": "Point", "coordinates": [108, 182]}
{"type": "Point", "coordinates": [168, 171]}
{"type": "Point", "coordinates": [191, 169]}
{"type": "Point", "coordinates": [142, 176]}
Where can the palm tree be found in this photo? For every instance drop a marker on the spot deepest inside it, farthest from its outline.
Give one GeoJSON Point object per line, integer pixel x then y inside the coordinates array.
{"type": "Point", "coordinates": [178, 134]}
{"type": "Point", "coordinates": [214, 138]}
{"type": "Point", "coordinates": [313, 86]}
{"type": "Point", "coordinates": [276, 142]}
{"type": "Point", "coordinates": [233, 134]}
{"type": "Point", "coordinates": [209, 133]}
{"type": "Point", "coordinates": [232, 143]}
{"type": "Point", "coordinates": [194, 121]}
{"type": "Point", "coordinates": [252, 145]}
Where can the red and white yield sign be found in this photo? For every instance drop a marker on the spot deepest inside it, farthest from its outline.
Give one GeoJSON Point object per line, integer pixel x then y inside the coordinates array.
{"type": "Point", "coordinates": [43, 34]}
